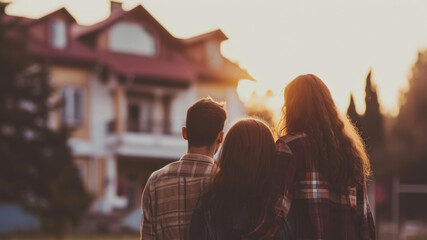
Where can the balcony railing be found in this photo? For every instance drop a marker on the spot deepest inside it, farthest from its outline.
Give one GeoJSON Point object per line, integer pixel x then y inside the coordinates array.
{"type": "Point", "coordinates": [151, 145]}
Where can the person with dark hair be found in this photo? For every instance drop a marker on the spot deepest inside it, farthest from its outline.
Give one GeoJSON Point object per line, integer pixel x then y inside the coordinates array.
{"type": "Point", "coordinates": [241, 195]}
{"type": "Point", "coordinates": [322, 167]}
{"type": "Point", "coordinates": [171, 193]}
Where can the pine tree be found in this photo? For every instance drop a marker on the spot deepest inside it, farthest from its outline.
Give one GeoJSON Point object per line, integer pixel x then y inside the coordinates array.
{"type": "Point", "coordinates": [37, 169]}
{"type": "Point", "coordinates": [352, 113]}
{"type": "Point", "coordinates": [12, 61]}
{"type": "Point", "coordinates": [371, 129]}
{"type": "Point", "coordinates": [410, 130]}
{"type": "Point", "coordinates": [373, 126]}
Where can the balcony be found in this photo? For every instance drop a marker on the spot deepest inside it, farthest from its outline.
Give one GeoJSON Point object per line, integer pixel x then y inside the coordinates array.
{"type": "Point", "coordinates": [151, 145]}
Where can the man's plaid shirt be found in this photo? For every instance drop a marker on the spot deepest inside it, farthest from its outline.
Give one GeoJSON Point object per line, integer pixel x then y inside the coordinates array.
{"type": "Point", "coordinates": [318, 213]}
{"type": "Point", "coordinates": [170, 196]}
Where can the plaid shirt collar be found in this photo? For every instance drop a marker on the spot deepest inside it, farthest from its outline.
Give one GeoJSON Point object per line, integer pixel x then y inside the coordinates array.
{"type": "Point", "coordinates": [196, 157]}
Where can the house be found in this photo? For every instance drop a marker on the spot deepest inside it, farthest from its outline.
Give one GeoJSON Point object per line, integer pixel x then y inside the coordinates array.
{"type": "Point", "coordinates": [126, 84]}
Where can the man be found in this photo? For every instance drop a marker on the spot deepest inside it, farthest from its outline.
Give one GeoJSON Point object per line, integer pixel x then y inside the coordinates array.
{"type": "Point", "coordinates": [171, 193]}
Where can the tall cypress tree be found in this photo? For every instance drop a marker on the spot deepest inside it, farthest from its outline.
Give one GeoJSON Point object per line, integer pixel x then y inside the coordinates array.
{"type": "Point", "coordinates": [353, 115]}
{"type": "Point", "coordinates": [373, 131]}
{"type": "Point", "coordinates": [373, 126]}
{"type": "Point", "coordinates": [370, 124]}
{"type": "Point", "coordinates": [37, 169]}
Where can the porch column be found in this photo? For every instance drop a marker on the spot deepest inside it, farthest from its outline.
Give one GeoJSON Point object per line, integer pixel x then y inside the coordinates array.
{"type": "Point", "coordinates": [111, 200]}
{"type": "Point", "coordinates": [119, 109]}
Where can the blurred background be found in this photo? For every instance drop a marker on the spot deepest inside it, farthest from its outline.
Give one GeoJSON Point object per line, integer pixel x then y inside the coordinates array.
{"type": "Point", "coordinates": [93, 95]}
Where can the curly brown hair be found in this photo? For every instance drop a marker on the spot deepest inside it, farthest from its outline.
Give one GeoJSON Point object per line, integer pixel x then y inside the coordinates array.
{"type": "Point", "coordinates": [335, 145]}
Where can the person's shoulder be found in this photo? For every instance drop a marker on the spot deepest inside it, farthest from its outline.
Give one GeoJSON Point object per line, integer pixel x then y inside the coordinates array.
{"type": "Point", "coordinates": [288, 138]}
{"type": "Point", "coordinates": [162, 172]}
{"type": "Point", "coordinates": [286, 143]}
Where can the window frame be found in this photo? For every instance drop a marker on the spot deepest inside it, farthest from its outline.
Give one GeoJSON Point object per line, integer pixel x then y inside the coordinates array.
{"type": "Point", "coordinates": [148, 29]}
{"type": "Point", "coordinates": [53, 33]}
{"type": "Point", "coordinates": [139, 101]}
{"type": "Point", "coordinates": [69, 106]}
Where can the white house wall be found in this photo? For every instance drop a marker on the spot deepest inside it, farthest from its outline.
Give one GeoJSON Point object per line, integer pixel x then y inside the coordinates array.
{"type": "Point", "coordinates": [103, 112]}
{"type": "Point", "coordinates": [235, 108]}
{"type": "Point", "coordinates": [103, 145]}
{"type": "Point", "coordinates": [182, 101]}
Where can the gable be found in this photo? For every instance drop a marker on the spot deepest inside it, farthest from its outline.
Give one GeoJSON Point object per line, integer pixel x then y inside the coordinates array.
{"type": "Point", "coordinates": [52, 29]}
{"type": "Point", "coordinates": [130, 36]}
{"type": "Point", "coordinates": [137, 15]}
{"type": "Point", "coordinates": [133, 38]}
{"type": "Point", "coordinates": [108, 44]}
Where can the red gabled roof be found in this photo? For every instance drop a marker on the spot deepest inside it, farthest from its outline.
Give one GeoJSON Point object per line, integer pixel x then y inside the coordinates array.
{"type": "Point", "coordinates": [205, 36]}
{"type": "Point", "coordinates": [19, 20]}
{"type": "Point", "coordinates": [175, 68]}
{"type": "Point", "coordinates": [83, 31]}
{"type": "Point", "coordinates": [117, 15]}
{"type": "Point", "coordinates": [25, 21]}
{"type": "Point", "coordinates": [74, 51]}
{"type": "Point", "coordinates": [62, 11]}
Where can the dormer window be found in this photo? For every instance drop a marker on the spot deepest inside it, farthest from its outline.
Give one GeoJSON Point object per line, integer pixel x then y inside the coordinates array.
{"type": "Point", "coordinates": [132, 38]}
{"type": "Point", "coordinates": [58, 33]}
{"type": "Point", "coordinates": [213, 54]}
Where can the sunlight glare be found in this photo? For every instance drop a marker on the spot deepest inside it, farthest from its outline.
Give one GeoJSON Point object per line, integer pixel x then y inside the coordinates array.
{"type": "Point", "coordinates": [338, 41]}
{"type": "Point", "coordinates": [245, 89]}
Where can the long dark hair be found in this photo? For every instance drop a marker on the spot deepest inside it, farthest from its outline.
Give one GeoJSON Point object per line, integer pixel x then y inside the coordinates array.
{"type": "Point", "coordinates": [245, 177]}
{"type": "Point", "coordinates": [336, 147]}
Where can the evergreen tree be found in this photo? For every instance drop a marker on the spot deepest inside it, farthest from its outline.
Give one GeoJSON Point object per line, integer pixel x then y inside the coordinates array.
{"type": "Point", "coordinates": [409, 140]}
{"type": "Point", "coordinates": [410, 130]}
{"type": "Point", "coordinates": [373, 127]}
{"type": "Point", "coordinates": [352, 113]}
{"type": "Point", "coordinates": [370, 124]}
{"type": "Point", "coordinates": [37, 169]}
{"type": "Point", "coordinates": [12, 61]}
{"type": "Point", "coordinates": [373, 131]}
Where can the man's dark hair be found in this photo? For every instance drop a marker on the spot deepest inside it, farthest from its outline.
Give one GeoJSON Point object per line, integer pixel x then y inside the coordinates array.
{"type": "Point", "coordinates": [205, 120]}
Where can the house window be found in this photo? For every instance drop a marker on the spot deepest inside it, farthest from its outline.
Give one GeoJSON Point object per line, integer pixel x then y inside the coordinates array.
{"type": "Point", "coordinates": [58, 33]}
{"type": "Point", "coordinates": [132, 38]}
{"type": "Point", "coordinates": [140, 115]}
{"type": "Point", "coordinates": [133, 117]}
{"type": "Point", "coordinates": [72, 109]}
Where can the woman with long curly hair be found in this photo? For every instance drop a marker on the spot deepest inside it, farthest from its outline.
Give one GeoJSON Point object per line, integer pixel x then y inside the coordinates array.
{"type": "Point", "coordinates": [241, 195]}
{"type": "Point", "coordinates": [322, 167]}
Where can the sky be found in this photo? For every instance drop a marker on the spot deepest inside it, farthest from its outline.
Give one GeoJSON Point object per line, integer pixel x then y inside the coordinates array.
{"type": "Point", "coordinates": [277, 40]}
